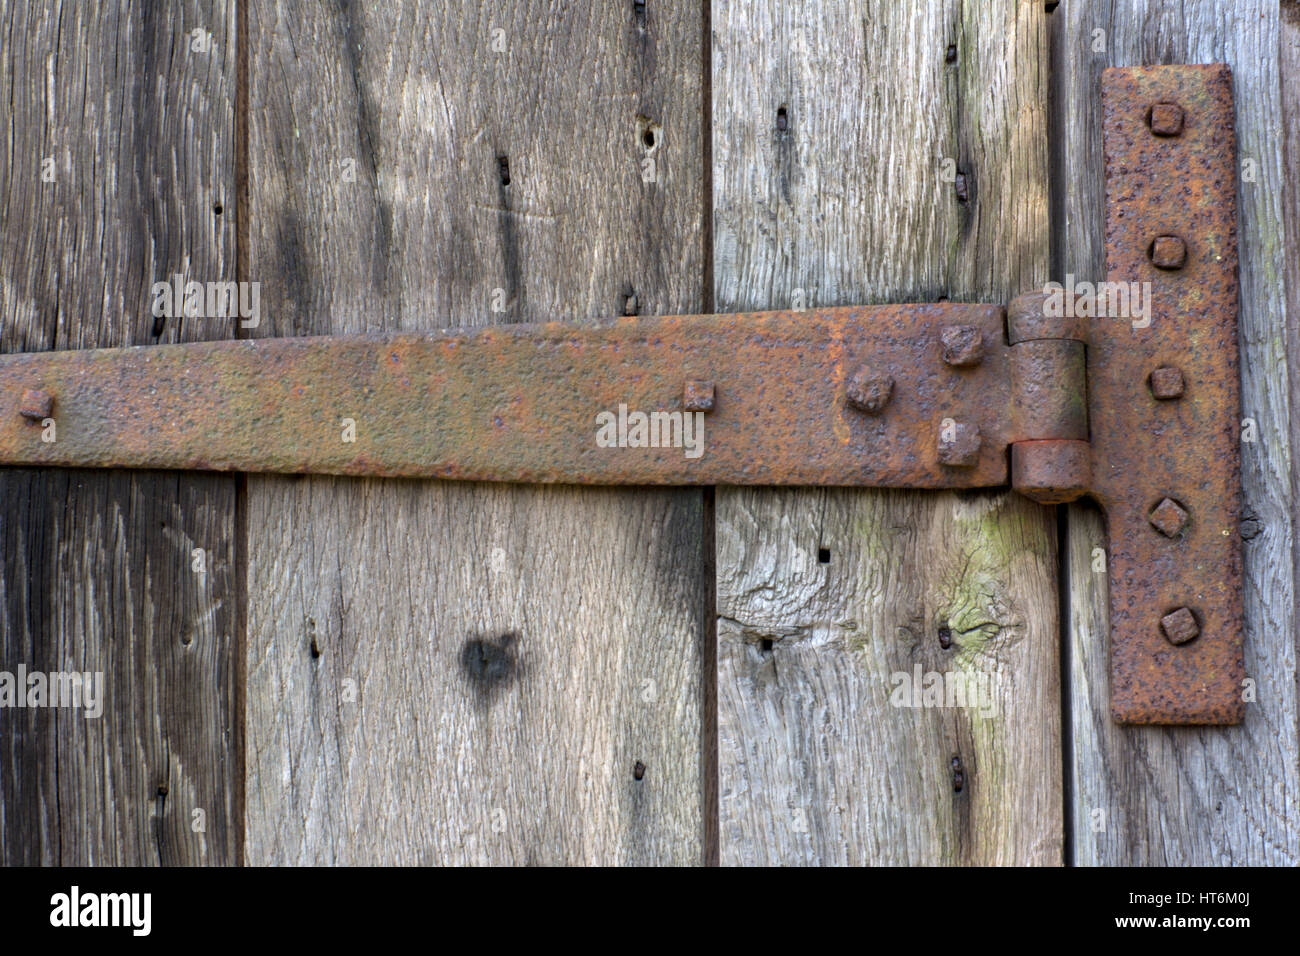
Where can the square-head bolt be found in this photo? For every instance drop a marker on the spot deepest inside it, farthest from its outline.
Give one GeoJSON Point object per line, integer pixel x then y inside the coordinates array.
{"type": "Point", "coordinates": [869, 391]}
{"type": "Point", "coordinates": [36, 405]}
{"type": "Point", "coordinates": [1166, 119]}
{"type": "Point", "coordinates": [698, 396]}
{"type": "Point", "coordinates": [1180, 626]}
{"type": "Point", "coordinates": [1167, 383]}
{"type": "Point", "coordinates": [959, 444]}
{"type": "Point", "coordinates": [1168, 252]}
{"type": "Point", "coordinates": [1168, 517]}
{"type": "Point", "coordinates": [963, 345]}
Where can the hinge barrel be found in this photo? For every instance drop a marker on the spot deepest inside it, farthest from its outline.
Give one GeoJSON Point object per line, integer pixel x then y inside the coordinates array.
{"type": "Point", "coordinates": [1050, 458]}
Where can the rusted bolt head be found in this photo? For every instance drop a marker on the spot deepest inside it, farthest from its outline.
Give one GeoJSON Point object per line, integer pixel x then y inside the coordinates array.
{"type": "Point", "coordinates": [36, 405]}
{"type": "Point", "coordinates": [959, 444]}
{"type": "Point", "coordinates": [1168, 518]}
{"type": "Point", "coordinates": [1166, 119]}
{"type": "Point", "coordinates": [963, 345]}
{"type": "Point", "coordinates": [697, 396]}
{"type": "Point", "coordinates": [1180, 626]}
{"type": "Point", "coordinates": [1168, 252]}
{"type": "Point", "coordinates": [870, 392]}
{"type": "Point", "coordinates": [1167, 382]}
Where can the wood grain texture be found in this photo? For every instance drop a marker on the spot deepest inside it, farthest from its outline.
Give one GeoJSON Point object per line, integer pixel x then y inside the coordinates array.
{"type": "Point", "coordinates": [514, 651]}
{"type": "Point", "coordinates": [120, 149]}
{"type": "Point", "coordinates": [1289, 70]}
{"type": "Point", "coordinates": [831, 125]}
{"type": "Point", "coordinates": [1188, 796]}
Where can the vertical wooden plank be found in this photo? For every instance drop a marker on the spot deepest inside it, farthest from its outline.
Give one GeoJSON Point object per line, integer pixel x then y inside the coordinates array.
{"type": "Point", "coordinates": [831, 128]}
{"type": "Point", "coordinates": [1189, 796]}
{"type": "Point", "coordinates": [120, 155]}
{"type": "Point", "coordinates": [1289, 69]}
{"type": "Point", "coordinates": [459, 673]}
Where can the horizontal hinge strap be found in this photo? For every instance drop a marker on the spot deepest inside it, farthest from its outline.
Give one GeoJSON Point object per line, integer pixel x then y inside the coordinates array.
{"type": "Point", "coordinates": [780, 398]}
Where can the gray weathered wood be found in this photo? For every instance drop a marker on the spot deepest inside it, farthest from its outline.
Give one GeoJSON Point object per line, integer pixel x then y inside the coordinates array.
{"type": "Point", "coordinates": [849, 203]}
{"type": "Point", "coordinates": [1184, 796]}
{"type": "Point", "coordinates": [1289, 69]}
{"type": "Point", "coordinates": [95, 567]}
{"type": "Point", "coordinates": [512, 652]}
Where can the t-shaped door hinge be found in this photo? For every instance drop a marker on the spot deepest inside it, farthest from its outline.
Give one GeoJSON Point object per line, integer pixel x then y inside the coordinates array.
{"type": "Point", "coordinates": [1125, 390]}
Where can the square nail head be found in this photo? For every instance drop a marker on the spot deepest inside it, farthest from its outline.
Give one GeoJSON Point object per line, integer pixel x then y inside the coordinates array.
{"type": "Point", "coordinates": [1166, 119]}
{"type": "Point", "coordinates": [698, 396]}
{"type": "Point", "coordinates": [959, 445]}
{"type": "Point", "coordinates": [1168, 517]}
{"type": "Point", "coordinates": [963, 345]}
{"type": "Point", "coordinates": [1167, 383]}
{"type": "Point", "coordinates": [36, 405]}
{"type": "Point", "coordinates": [1168, 252]}
{"type": "Point", "coordinates": [1180, 626]}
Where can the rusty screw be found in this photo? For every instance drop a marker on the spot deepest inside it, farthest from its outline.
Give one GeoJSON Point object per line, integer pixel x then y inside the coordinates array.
{"type": "Point", "coordinates": [698, 396]}
{"type": "Point", "coordinates": [36, 405]}
{"type": "Point", "coordinates": [1168, 517]}
{"type": "Point", "coordinates": [1168, 252]}
{"type": "Point", "coordinates": [959, 444]}
{"type": "Point", "coordinates": [870, 392]}
{"type": "Point", "coordinates": [1166, 119]}
{"type": "Point", "coordinates": [1167, 382]}
{"type": "Point", "coordinates": [963, 345]}
{"type": "Point", "coordinates": [1180, 626]}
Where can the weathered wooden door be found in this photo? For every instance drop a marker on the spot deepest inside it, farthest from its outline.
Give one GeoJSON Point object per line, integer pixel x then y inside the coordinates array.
{"type": "Point", "coordinates": [324, 670]}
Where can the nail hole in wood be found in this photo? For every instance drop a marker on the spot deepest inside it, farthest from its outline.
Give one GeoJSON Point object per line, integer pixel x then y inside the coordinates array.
{"type": "Point", "coordinates": [958, 775]}
{"type": "Point", "coordinates": [217, 209]}
{"type": "Point", "coordinates": [766, 645]}
{"type": "Point", "coordinates": [782, 119]}
{"type": "Point", "coordinates": [638, 770]}
{"type": "Point", "coordinates": [950, 55]}
{"type": "Point", "coordinates": [945, 637]}
{"type": "Point", "coordinates": [503, 167]}
{"type": "Point", "coordinates": [823, 555]}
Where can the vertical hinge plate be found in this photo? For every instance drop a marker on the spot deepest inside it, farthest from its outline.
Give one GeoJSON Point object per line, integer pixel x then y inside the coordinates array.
{"type": "Point", "coordinates": [1164, 397]}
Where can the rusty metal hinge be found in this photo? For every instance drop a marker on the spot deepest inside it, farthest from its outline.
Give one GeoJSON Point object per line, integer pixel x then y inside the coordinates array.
{"type": "Point", "coordinates": [1126, 391]}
